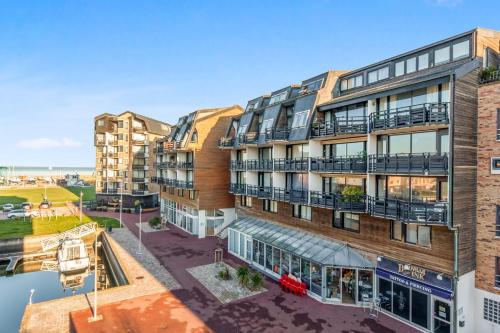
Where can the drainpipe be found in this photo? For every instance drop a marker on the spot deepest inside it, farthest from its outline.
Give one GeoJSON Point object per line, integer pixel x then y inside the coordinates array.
{"type": "Point", "coordinates": [450, 200]}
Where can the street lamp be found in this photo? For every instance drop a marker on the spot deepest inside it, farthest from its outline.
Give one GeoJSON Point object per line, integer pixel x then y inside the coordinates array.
{"type": "Point", "coordinates": [121, 203]}
{"type": "Point", "coordinates": [81, 205]}
{"type": "Point", "coordinates": [95, 317]}
{"type": "Point", "coordinates": [140, 230]}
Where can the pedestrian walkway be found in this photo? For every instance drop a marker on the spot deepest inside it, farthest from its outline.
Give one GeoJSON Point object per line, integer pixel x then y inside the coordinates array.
{"type": "Point", "coordinates": [271, 311]}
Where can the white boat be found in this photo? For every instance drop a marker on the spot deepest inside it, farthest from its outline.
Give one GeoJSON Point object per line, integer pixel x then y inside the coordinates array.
{"type": "Point", "coordinates": [72, 256]}
{"type": "Point", "coordinates": [73, 281]}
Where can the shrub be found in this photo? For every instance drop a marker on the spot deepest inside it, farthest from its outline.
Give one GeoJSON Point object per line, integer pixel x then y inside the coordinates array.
{"type": "Point", "coordinates": [224, 274]}
{"type": "Point", "coordinates": [243, 275]}
{"type": "Point", "coordinates": [154, 222]}
{"type": "Point", "coordinates": [257, 281]}
{"type": "Point", "coordinates": [352, 192]}
{"type": "Point", "coordinates": [487, 72]}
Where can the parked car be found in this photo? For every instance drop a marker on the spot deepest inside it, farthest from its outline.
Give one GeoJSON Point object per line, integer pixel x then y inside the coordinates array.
{"type": "Point", "coordinates": [26, 206]}
{"type": "Point", "coordinates": [8, 207]}
{"type": "Point", "coordinates": [16, 213]}
{"type": "Point", "coordinates": [45, 205]}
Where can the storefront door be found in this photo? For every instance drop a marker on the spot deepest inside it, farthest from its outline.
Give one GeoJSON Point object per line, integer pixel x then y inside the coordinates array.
{"type": "Point", "coordinates": [441, 316]}
{"type": "Point", "coordinates": [332, 284]}
{"type": "Point", "coordinates": [349, 286]}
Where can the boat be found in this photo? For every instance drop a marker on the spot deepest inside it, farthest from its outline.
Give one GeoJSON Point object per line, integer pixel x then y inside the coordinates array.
{"type": "Point", "coordinates": [73, 280]}
{"type": "Point", "coordinates": [72, 256]}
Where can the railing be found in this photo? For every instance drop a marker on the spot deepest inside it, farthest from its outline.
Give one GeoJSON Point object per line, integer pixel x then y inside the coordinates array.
{"type": "Point", "coordinates": [299, 196]}
{"type": "Point", "coordinates": [248, 138]}
{"type": "Point", "coordinates": [237, 165]}
{"type": "Point", "coordinates": [281, 194]}
{"type": "Point", "coordinates": [409, 164]}
{"type": "Point", "coordinates": [253, 190]}
{"type": "Point", "coordinates": [350, 164]}
{"type": "Point", "coordinates": [141, 155]}
{"type": "Point", "coordinates": [139, 142]}
{"type": "Point", "coordinates": [259, 165]}
{"type": "Point", "coordinates": [77, 232]}
{"type": "Point", "coordinates": [139, 192]}
{"type": "Point", "coordinates": [340, 202]}
{"type": "Point", "coordinates": [185, 165]}
{"type": "Point", "coordinates": [420, 114]}
{"type": "Point", "coordinates": [291, 164]}
{"type": "Point", "coordinates": [138, 166]}
{"type": "Point", "coordinates": [278, 134]}
{"type": "Point", "coordinates": [168, 165]}
{"type": "Point", "coordinates": [406, 211]}
{"type": "Point", "coordinates": [184, 184]}
{"type": "Point", "coordinates": [226, 142]}
{"type": "Point", "coordinates": [170, 182]}
{"type": "Point", "coordinates": [138, 180]}
{"type": "Point", "coordinates": [489, 77]}
{"type": "Point", "coordinates": [339, 126]}
{"type": "Point", "coordinates": [237, 188]}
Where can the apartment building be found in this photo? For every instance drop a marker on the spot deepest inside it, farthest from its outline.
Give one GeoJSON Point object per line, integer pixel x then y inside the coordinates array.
{"type": "Point", "coordinates": [124, 164]}
{"type": "Point", "coordinates": [193, 173]}
{"type": "Point", "coordinates": [487, 295]}
{"type": "Point", "coordinates": [364, 184]}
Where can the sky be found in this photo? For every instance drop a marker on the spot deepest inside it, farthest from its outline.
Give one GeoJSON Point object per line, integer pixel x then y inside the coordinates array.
{"type": "Point", "coordinates": [64, 62]}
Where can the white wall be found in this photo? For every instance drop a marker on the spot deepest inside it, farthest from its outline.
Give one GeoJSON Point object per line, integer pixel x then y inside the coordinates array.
{"type": "Point", "coordinates": [202, 224]}
{"type": "Point", "coordinates": [481, 325]}
{"type": "Point", "coordinates": [465, 305]}
{"type": "Point", "coordinates": [371, 148]}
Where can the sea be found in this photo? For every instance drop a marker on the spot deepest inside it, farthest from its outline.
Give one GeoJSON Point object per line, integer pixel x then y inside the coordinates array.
{"type": "Point", "coordinates": [31, 171]}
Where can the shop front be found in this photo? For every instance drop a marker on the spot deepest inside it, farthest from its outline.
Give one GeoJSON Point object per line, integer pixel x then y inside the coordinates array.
{"type": "Point", "coordinates": [333, 272]}
{"type": "Point", "coordinates": [416, 295]}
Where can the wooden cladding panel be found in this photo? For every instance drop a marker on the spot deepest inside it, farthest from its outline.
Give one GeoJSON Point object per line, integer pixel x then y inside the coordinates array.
{"type": "Point", "coordinates": [374, 235]}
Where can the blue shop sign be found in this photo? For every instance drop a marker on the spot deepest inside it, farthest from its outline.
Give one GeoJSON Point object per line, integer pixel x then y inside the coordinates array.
{"type": "Point", "coordinates": [416, 277]}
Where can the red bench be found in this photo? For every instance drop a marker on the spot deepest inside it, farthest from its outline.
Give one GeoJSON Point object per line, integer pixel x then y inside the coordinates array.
{"type": "Point", "coordinates": [290, 285]}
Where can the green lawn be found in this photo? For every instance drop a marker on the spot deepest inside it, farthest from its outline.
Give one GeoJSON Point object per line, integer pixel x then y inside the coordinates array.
{"type": "Point", "coordinates": [19, 228]}
{"type": "Point", "coordinates": [54, 194]}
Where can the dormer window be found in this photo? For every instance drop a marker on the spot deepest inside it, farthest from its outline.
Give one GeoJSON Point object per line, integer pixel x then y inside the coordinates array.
{"type": "Point", "coordinates": [352, 82]}
{"type": "Point", "coordinates": [378, 74]}
{"type": "Point", "coordinates": [194, 136]}
{"type": "Point", "coordinates": [461, 50]}
{"type": "Point", "coordinates": [442, 55]}
{"type": "Point", "coordinates": [242, 129]}
{"type": "Point", "coordinates": [278, 98]}
{"type": "Point", "coordinates": [252, 106]}
{"type": "Point", "coordinates": [300, 119]}
{"type": "Point", "coordinates": [266, 124]}
{"type": "Point", "coordinates": [312, 86]}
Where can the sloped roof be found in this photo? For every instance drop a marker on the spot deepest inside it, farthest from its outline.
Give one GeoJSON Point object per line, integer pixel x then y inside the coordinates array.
{"type": "Point", "coordinates": [302, 243]}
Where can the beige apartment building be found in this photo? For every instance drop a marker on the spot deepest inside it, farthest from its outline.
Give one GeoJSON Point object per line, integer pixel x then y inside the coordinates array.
{"type": "Point", "coordinates": [124, 158]}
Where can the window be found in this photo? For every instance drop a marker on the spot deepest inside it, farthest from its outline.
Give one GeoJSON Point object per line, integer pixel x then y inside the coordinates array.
{"type": "Point", "coordinates": [313, 86]}
{"type": "Point", "coordinates": [191, 194]}
{"type": "Point", "coordinates": [411, 233]}
{"type": "Point", "coordinates": [346, 221]}
{"type": "Point", "coordinates": [270, 206]}
{"type": "Point", "coordinates": [100, 122]}
{"type": "Point", "coordinates": [242, 129]}
{"type": "Point", "coordinates": [194, 136]}
{"type": "Point", "coordinates": [495, 165]}
{"type": "Point", "coordinates": [302, 212]}
{"type": "Point", "coordinates": [379, 74]}
{"type": "Point", "coordinates": [252, 106]}
{"type": "Point", "coordinates": [353, 82]}
{"type": "Point", "coordinates": [246, 201]}
{"type": "Point", "coordinates": [120, 123]}
{"type": "Point", "coordinates": [400, 68]}
{"type": "Point", "coordinates": [266, 124]}
{"type": "Point", "coordinates": [411, 65]}
{"type": "Point", "coordinates": [442, 55]}
{"type": "Point", "coordinates": [278, 98]}
{"type": "Point", "coordinates": [300, 119]}
{"type": "Point", "coordinates": [423, 61]}
{"type": "Point", "coordinates": [491, 310]}
{"type": "Point", "coordinates": [461, 50]}
{"type": "Point", "coordinates": [497, 272]}
{"type": "Point", "coordinates": [180, 192]}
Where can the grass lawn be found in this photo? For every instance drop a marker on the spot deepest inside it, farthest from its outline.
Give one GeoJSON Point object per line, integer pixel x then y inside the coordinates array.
{"type": "Point", "coordinates": [19, 228]}
{"type": "Point", "coordinates": [54, 194]}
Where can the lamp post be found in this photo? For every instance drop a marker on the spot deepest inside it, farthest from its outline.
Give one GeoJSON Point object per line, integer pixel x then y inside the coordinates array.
{"type": "Point", "coordinates": [95, 317]}
{"type": "Point", "coordinates": [140, 230]}
{"type": "Point", "coordinates": [121, 203]}
{"type": "Point", "coordinates": [81, 205]}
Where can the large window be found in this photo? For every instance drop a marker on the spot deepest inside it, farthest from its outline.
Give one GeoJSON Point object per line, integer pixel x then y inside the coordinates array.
{"type": "Point", "coordinates": [302, 212]}
{"type": "Point", "coordinates": [300, 119]}
{"type": "Point", "coordinates": [266, 124]}
{"type": "Point", "coordinates": [278, 98]}
{"type": "Point", "coordinates": [460, 50]}
{"type": "Point", "coordinates": [415, 189]}
{"type": "Point", "coordinates": [378, 74]}
{"type": "Point", "coordinates": [414, 143]}
{"type": "Point", "coordinates": [313, 86]}
{"type": "Point", "coordinates": [346, 221]}
{"type": "Point", "coordinates": [423, 61]}
{"type": "Point", "coordinates": [297, 151]}
{"type": "Point", "coordinates": [270, 206]}
{"type": "Point", "coordinates": [246, 201]}
{"type": "Point", "coordinates": [338, 184]}
{"type": "Point", "coordinates": [442, 55]}
{"type": "Point", "coordinates": [497, 272]}
{"type": "Point", "coordinates": [411, 65]}
{"type": "Point", "coordinates": [352, 82]}
{"type": "Point", "coordinates": [344, 149]}
{"type": "Point", "coordinates": [411, 233]}
{"type": "Point", "coordinates": [346, 113]}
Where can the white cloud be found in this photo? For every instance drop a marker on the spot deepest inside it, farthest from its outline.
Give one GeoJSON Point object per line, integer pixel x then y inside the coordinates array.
{"type": "Point", "coordinates": [47, 143]}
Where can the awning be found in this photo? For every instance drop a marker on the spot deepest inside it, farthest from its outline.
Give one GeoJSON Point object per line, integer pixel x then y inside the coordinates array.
{"type": "Point", "coordinates": [302, 243]}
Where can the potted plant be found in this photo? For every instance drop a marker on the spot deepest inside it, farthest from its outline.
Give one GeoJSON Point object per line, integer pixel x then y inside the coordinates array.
{"type": "Point", "coordinates": [487, 72]}
{"type": "Point", "coordinates": [243, 275]}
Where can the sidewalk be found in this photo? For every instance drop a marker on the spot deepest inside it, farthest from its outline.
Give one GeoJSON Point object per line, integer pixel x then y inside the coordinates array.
{"type": "Point", "coordinates": [271, 311]}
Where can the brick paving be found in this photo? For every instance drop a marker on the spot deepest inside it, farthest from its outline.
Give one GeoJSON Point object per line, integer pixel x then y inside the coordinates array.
{"type": "Point", "coordinates": [271, 311]}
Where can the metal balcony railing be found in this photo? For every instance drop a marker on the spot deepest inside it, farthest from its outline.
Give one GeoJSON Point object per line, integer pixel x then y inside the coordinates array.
{"type": "Point", "coordinates": [185, 165]}
{"type": "Point", "coordinates": [237, 188]}
{"type": "Point", "coordinates": [415, 115]}
{"type": "Point", "coordinates": [259, 165]}
{"type": "Point", "coordinates": [138, 166]}
{"type": "Point", "coordinates": [339, 202]}
{"type": "Point", "coordinates": [291, 164]}
{"type": "Point", "coordinates": [339, 126]}
{"type": "Point", "coordinates": [184, 184]}
{"type": "Point", "coordinates": [409, 164]}
{"type": "Point", "coordinates": [409, 211]}
{"type": "Point", "coordinates": [226, 142]}
{"type": "Point", "coordinates": [138, 180]}
{"type": "Point", "coordinates": [237, 165]}
{"type": "Point", "coordinates": [248, 138]}
{"type": "Point", "coordinates": [139, 192]}
{"type": "Point", "coordinates": [277, 134]}
{"type": "Point", "coordinates": [340, 164]}
{"type": "Point", "coordinates": [489, 77]}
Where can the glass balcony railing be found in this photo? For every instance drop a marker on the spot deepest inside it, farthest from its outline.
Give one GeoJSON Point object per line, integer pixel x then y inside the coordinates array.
{"type": "Point", "coordinates": [415, 115]}
{"type": "Point", "coordinates": [291, 164]}
{"type": "Point", "coordinates": [340, 164]}
{"type": "Point", "coordinates": [237, 188]}
{"type": "Point", "coordinates": [259, 165]}
{"type": "Point", "coordinates": [339, 202]}
{"type": "Point", "coordinates": [277, 134]}
{"type": "Point", "coordinates": [340, 126]}
{"type": "Point", "coordinates": [409, 164]}
{"type": "Point", "coordinates": [409, 211]}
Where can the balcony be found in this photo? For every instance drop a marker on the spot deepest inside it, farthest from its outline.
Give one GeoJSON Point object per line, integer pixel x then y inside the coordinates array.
{"type": "Point", "coordinates": [226, 142]}
{"type": "Point", "coordinates": [260, 165]}
{"type": "Point", "coordinates": [236, 188]}
{"type": "Point", "coordinates": [291, 195]}
{"type": "Point", "coordinates": [168, 165]}
{"type": "Point", "coordinates": [339, 202]}
{"type": "Point", "coordinates": [139, 192]}
{"type": "Point", "coordinates": [237, 165]}
{"type": "Point", "coordinates": [410, 212]}
{"type": "Point", "coordinates": [350, 164]}
{"type": "Point", "coordinates": [409, 164]}
{"type": "Point", "coordinates": [141, 155]}
{"type": "Point", "coordinates": [100, 142]}
{"type": "Point", "coordinates": [277, 134]}
{"type": "Point", "coordinates": [249, 138]}
{"type": "Point", "coordinates": [110, 191]}
{"type": "Point", "coordinates": [184, 184]}
{"type": "Point", "coordinates": [291, 164]}
{"type": "Point", "coordinates": [340, 126]}
{"type": "Point", "coordinates": [185, 165]}
{"type": "Point", "coordinates": [169, 182]}
{"type": "Point", "coordinates": [139, 180]}
{"type": "Point", "coordinates": [415, 115]}
{"type": "Point", "coordinates": [137, 142]}
{"type": "Point", "coordinates": [139, 167]}
{"type": "Point", "coordinates": [489, 76]}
